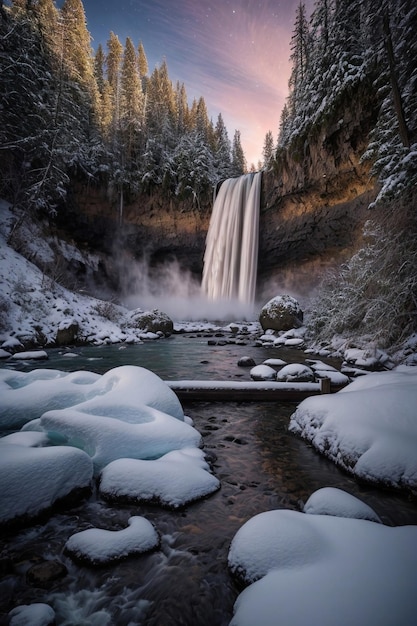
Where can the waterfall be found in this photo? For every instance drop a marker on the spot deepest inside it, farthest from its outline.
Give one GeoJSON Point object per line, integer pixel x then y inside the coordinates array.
{"type": "Point", "coordinates": [231, 256]}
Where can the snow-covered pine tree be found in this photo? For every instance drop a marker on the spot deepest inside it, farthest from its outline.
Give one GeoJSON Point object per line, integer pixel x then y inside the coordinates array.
{"type": "Point", "coordinates": [77, 51]}
{"type": "Point", "coordinates": [142, 61]}
{"type": "Point", "coordinates": [131, 106]}
{"type": "Point", "coordinates": [113, 62]}
{"type": "Point", "coordinates": [238, 156]}
{"type": "Point", "coordinates": [222, 149]}
{"type": "Point", "coordinates": [268, 149]}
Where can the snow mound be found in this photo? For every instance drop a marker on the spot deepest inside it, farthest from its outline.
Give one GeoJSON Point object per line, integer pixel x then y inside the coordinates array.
{"type": "Point", "coordinates": [98, 546]}
{"type": "Point", "coordinates": [33, 479]}
{"type": "Point", "coordinates": [269, 539]}
{"type": "Point", "coordinates": [263, 372]}
{"type": "Point", "coordinates": [37, 614]}
{"type": "Point", "coordinates": [339, 503]}
{"type": "Point", "coordinates": [25, 396]}
{"type": "Point", "coordinates": [32, 355]}
{"type": "Point", "coordinates": [128, 413]}
{"type": "Point", "coordinates": [109, 431]}
{"type": "Point", "coordinates": [348, 571]}
{"type": "Point", "coordinates": [174, 480]}
{"type": "Point", "coordinates": [275, 362]}
{"type": "Point", "coordinates": [323, 370]}
{"type": "Point", "coordinates": [369, 428]}
{"type": "Point", "coordinates": [295, 372]}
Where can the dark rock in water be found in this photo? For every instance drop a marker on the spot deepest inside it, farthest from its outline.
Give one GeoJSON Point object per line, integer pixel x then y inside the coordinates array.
{"type": "Point", "coordinates": [281, 313]}
{"type": "Point", "coordinates": [152, 321]}
{"type": "Point", "coordinates": [67, 334]}
{"type": "Point", "coordinates": [45, 574]}
{"type": "Point", "coordinates": [246, 361]}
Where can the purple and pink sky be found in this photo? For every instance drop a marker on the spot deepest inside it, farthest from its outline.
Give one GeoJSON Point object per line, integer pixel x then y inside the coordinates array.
{"type": "Point", "coordinates": [234, 53]}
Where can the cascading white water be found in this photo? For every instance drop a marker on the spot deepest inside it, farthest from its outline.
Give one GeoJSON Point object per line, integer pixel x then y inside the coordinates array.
{"type": "Point", "coordinates": [231, 256]}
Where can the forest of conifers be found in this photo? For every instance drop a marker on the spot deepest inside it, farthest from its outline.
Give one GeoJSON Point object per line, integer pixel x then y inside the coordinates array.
{"type": "Point", "coordinates": [67, 110]}
{"type": "Point", "coordinates": [69, 113]}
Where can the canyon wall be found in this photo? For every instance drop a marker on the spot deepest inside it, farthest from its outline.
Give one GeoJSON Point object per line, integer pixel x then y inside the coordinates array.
{"type": "Point", "coordinates": [314, 203]}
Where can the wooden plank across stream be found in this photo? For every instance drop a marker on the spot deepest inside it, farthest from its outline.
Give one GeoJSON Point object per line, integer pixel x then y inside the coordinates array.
{"type": "Point", "coordinates": [252, 391]}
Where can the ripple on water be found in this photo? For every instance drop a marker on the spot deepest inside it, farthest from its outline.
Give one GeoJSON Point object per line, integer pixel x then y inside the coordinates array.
{"type": "Point", "coordinates": [261, 467]}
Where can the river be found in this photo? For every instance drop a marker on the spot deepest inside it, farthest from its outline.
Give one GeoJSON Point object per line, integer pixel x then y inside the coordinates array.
{"type": "Point", "coordinates": [186, 582]}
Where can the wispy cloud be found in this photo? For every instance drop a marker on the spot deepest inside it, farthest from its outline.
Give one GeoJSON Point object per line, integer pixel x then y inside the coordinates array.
{"type": "Point", "coordinates": [234, 53]}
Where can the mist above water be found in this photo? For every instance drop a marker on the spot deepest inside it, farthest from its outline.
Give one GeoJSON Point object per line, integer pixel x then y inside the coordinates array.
{"type": "Point", "coordinates": [174, 290]}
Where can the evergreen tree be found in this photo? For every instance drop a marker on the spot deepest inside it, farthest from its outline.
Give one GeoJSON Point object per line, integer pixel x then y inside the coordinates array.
{"type": "Point", "coordinates": [48, 20]}
{"type": "Point", "coordinates": [222, 149]}
{"type": "Point", "coordinates": [238, 156]}
{"type": "Point", "coordinates": [183, 113]}
{"type": "Point", "coordinates": [99, 61]}
{"type": "Point", "coordinates": [77, 52]}
{"type": "Point", "coordinates": [203, 123]}
{"type": "Point", "coordinates": [114, 60]}
{"type": "Point", "coordinates": [162, 109]}
{"type": "Point", "coordinates": [268, 149]}
{"type": "Point", "coordinates": [131, 113]}
{"type": "Point", "coordinates": [142, 61]}
{"type": "Point", "coordinates": [299, 57]}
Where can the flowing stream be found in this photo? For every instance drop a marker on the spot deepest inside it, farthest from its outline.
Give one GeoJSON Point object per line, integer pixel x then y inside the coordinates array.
{"type": "Point", "coordinates": [186, 581]}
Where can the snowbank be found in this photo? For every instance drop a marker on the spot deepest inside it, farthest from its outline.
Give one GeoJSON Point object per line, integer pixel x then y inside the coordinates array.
{"type": "Point", "coordinates": [369, 428]}
{"type": "Point", "coordinates": [129, 413]}
{"type": "Point", "coordinates": [36, 310]}
{"type": "Point", "coordinates": [327, 569]}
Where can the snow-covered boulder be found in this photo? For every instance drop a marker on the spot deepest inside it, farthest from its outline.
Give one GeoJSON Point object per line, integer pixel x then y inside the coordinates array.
{"type": "Point", "coordinates": [295, 372]}
{"type": "Point", "coordinates": [31, 355]}
{"type": "Point", "coordinates": [151, 321]}
{"type": "Point", "coordinates": [277, 363]}
{"type": "Point", "coordinates": [369, 428]}
{"type": "Point", "coordinates": [332, 501]}
{"type": "Point", "coordinates": [108, 431]}
{"type": "Point", "coordinates": [263, 372]}
{"type": "Point", "coordinates": [127, 412]}
{"type": "Point", "coordinates": [366, 359]}
{"type": "Point", "coordinates": [173, 480]}
{"type": "Point", "coordinates": [33, 479]}
{"type": "Point", "coordinates": [324, 570]}
{"type": "Point", "coordinates": [281, 313]}
{"type": "Point", "coordinates": [36, 614]}
{"type": "Point", "coordinates": [98, 546]}
{"type": "Point", "coordinates": [26, 395]}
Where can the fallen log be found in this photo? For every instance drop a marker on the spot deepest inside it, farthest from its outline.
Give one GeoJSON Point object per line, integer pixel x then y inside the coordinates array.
{"type": "Point", "coordinates": [250, 391]}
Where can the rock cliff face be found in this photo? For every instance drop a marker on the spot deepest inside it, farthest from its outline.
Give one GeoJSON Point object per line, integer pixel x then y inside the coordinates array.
{"type": "Point", "coordinates": [150, 230]}
{"type": "Point", "coordinates": [314, 204]}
